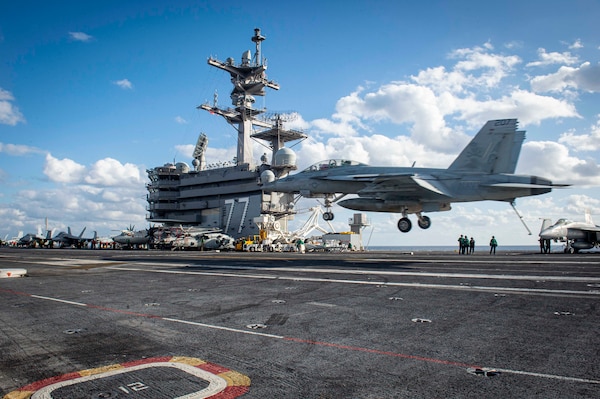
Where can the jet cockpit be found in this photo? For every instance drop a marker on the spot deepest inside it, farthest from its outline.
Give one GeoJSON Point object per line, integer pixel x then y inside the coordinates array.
{"type": "Point", "coordinates": [332, 163]}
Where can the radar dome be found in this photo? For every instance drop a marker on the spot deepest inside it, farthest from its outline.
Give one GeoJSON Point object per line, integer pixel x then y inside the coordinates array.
{"type": "Point", "coordinates": [267, 176]}
{"type": "Point", "coordinates": [285, 157]}
{"type": "Point", "coordinates": [182, 167]}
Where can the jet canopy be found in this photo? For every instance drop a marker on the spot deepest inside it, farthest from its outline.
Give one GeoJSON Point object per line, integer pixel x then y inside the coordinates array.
{"type": "Point", "coordinates": [332, 163]}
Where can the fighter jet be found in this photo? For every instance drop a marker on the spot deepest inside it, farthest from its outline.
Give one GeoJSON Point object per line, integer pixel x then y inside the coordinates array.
{"type": "Point", "coordinates": [484, 170]}
{"type": "Point", "coordinates": [36, 239]}
{"type": "Point", "coordinates": [68, 239]}
{"type": "Point", "coordinates": [576, 235]}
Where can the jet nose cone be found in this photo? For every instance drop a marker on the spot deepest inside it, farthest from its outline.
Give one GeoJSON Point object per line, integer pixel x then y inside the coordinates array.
{"type": "Point", "coordinates": [547, 234]}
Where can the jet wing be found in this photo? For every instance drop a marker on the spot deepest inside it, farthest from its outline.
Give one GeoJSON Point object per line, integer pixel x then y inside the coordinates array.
{"type": "Point", "coordinates": [358, 177]}
{"type": "Point", "coordinates": [526, 185]}
{"type": "Point", "coordinates": [405, 185]}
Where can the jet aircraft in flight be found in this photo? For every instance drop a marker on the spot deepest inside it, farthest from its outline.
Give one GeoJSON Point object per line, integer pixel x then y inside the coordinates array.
{"type": "Point", "coordinates": [576, 235]}
{"type": "Point", "coordinates": [484, 170]}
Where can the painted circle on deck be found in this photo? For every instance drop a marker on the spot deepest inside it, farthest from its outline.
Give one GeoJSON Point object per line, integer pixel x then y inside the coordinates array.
{"type": "Point", "coordinates": [157, 378]}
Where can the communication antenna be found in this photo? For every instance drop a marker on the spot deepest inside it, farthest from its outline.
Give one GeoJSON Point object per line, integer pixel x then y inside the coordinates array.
{"type": "Point", "coordinates": [279, 118]}
{"type": "Point", "coordinates": [257, 38]}
{"type": "Point", "coordinates": [200, 152]}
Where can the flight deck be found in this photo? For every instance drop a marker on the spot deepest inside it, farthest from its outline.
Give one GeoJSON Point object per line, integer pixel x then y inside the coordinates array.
{"type": "Point", "coordinates": [150, 324]}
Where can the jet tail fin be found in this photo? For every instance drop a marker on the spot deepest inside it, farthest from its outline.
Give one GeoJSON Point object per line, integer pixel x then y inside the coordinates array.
{"type": "Point", "coordinates": [545, 224]}
{"type": "Point", "coordinates": [588, 216]}
{"type": "Point", "coordinates": [495, 149]}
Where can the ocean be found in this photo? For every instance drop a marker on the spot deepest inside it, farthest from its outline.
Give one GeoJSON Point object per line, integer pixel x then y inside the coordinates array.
{"type": "Point", "coordinates": [454, 248]}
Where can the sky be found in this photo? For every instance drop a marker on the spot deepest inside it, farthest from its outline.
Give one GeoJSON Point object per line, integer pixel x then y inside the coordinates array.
{"type": "Point", "coordinates": [94, 93]}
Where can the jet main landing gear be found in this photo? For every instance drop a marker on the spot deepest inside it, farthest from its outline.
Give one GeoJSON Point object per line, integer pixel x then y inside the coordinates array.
{"type": "Point", "coordinates": [404, 224]}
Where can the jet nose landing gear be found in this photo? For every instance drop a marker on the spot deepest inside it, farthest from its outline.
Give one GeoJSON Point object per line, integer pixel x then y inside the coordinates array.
{"type": "Point", "coordinates": [404, 224]}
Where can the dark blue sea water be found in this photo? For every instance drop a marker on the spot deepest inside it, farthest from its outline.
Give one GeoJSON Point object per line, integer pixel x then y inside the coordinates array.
{"type": "Point", "coordinates": [452, 248]}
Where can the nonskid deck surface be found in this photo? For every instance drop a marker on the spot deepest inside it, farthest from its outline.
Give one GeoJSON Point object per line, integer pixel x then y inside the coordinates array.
{"type": "Point", "coordinates": [369, 324]}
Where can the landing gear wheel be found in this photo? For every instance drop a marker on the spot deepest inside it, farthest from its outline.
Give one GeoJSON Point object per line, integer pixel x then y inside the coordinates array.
{"type": "Point", "coordinates": [328, 216]}
{"type": "Point", "coordinates": [404, 225]}
{"type": "Point", "coordinates": [424, 222]}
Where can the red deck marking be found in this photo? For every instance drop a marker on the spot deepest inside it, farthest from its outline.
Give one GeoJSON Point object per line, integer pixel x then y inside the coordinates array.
{"type": "Point", "coordinates": [49, 381]}
{"type": "Point", "coordinates": [380, 352]}
{"type": "Point", "coordinates": [236, 386]}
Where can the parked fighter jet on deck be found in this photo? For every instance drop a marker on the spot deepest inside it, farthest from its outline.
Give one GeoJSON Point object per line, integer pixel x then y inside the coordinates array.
{"type": "Point", "coordinates": [36, 239]}
{"type": "Point", "coordinates": [68, 239]}
{"type": "Point", "coordinates": [576, 235]}
{"type": "Point", "coordinates": [484, 170]}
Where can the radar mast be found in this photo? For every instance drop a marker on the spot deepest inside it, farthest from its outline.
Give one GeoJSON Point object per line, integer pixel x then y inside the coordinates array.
{"type": "Point", "coordinates": [249, 80]}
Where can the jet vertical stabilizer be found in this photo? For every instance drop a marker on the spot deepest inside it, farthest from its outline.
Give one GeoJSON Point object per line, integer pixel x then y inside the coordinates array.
{"type": "Point", "coordinates": [495, 149]}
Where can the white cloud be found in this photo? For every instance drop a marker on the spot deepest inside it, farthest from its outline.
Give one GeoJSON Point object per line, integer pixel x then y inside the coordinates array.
{"type": "Point", "coordinates": [78, 206]}
{"type": "Point", "coordinates": [529, 107]}
{"type": "Point", "coordinates": [124, 84]}
{"type": "Point", "coordinates": [103, 173]}
{"type": "Point", "coordinates": [9, 114]}
{"type": "Point", "coordinates": [553, 58]}
{"type": "Point", "coordinates": [576, 45]}
{"type": "Point", "coordinates": [186, 150]}
{"type": "Point", "coordinates": [552, 160]}
{"type": "Point", "coordinates": [585, 77]}
{"type": "Point", "coordinates": [493, 67]}
{"type": "Point", "coordinates": [110, 172]}
{"type": "Point", "coordinates": [582, 142]}
{"type": "Point", "coordinates": [18, 150]}
{"type": "Point", "coordinates": [180, 120]}
{"type": "Point", "coordinates": [80, 36]}
{"type": "Point", "coordinates": [63, 170]}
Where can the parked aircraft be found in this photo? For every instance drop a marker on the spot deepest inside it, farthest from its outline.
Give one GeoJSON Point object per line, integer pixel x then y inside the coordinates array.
{"type": "Point", "coordinates": [13, 242]}
{"type": "Point", "coordinates": [36, 239]}
{"type": "Point", "coordinates": [130, 238]}
{"type": "Point", "coordinates": [206, 241]}
{"type": "Point", "coordinates": [216, 241]}
{"type": "Point", "coordinates": [67, 239]}
{"type": "Point", "coordinates": [484, 170]}
{"type": "Point", "coordinates": [576, 235]}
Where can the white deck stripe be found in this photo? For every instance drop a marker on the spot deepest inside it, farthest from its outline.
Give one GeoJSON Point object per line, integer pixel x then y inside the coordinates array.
{"type": "Point", "coordinates": [215, 327]}
{"type": "Point", "coordinates": [362, 282]}
{"type": "Point", "coordinates": [551, 376]}
{"type": "Point", "coordinates": [59, 300]}
{"type": "Point", "coordinates": [523, 277]}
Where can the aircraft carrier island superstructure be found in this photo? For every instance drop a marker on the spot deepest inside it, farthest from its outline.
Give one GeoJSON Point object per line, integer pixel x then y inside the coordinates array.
{"type": "Point", "coordinates": [229, 198]}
